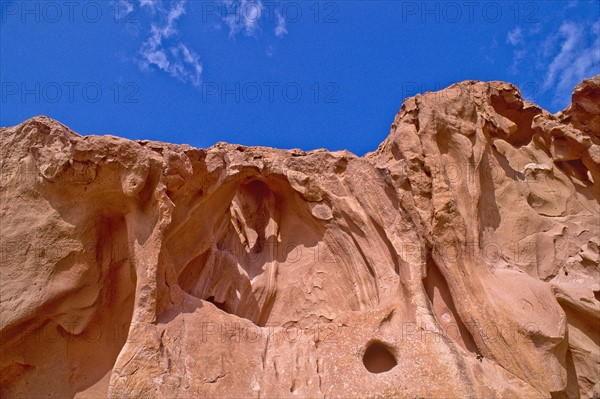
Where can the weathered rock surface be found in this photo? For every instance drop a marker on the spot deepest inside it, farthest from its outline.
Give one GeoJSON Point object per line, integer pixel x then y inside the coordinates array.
{"type": "Point", "coordinates": [584, 111]}
{"type": "Point", "coordinates": [460, 259]}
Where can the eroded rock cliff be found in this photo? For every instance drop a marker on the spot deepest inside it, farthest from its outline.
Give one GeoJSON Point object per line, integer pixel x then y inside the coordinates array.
{"type": "Point", "coordinates": [460, 259]}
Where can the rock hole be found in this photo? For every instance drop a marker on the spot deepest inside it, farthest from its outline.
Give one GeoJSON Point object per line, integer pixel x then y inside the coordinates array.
{"type": "Point", "coordinates": [220, 305]}
{"type": "Point", "coordinates": [597, 295]}
{"type": "Point", "coordinates": [575, 168]}
{"type": "Point", "coordinates": [378, 358]}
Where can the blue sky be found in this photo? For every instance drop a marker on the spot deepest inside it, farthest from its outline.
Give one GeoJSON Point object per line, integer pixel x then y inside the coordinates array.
{"type": "Point", "coordinates": [288, 74]}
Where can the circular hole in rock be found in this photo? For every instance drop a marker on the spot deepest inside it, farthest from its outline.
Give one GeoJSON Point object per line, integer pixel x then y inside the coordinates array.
{"type": "Point", "coordinates": [378, 357]}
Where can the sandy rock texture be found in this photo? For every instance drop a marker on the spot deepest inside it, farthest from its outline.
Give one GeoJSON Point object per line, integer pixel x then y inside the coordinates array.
{"type": "Point", "coordinates": [459, 259]}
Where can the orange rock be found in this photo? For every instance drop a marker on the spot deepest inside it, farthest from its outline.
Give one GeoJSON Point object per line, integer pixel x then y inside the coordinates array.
{"type": "Point", "coordinates": [460, 259]}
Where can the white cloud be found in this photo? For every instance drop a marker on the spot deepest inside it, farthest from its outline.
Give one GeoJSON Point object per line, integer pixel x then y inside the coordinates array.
{"type": "Point", "coordinates": [175, 58]}
{"type": "Point", "coordinates": [158, 58]}
{"type": "Point", "coordinates": [187, 66]}
{"type": "Point", "coordinates": [518, 56]}
{"type": "Point", "coordinates": [152, 4]}
{"type": "Point", "coordinates": [243, 16]}
{"type": "Point", "coordinates": [557, 59]}
{"type": "Point", "coordinates": [578, 58]}
{"type": "Point", "coordinates": [515, 36]}
{"type": "Point", "coordinates": [121, 8]}
{"type": "Point", "coordinates": [535, 28]}
{"type": "Point", "coordinates": [280, 30]}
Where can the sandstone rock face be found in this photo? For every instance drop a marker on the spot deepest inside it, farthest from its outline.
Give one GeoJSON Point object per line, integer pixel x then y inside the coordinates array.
{"type": "Point", "coordinates": [584, 111]}
{"type": "Point", "coordinates": [460, 259]}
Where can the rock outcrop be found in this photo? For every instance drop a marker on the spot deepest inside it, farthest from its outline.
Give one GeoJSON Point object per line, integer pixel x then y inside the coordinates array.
{"type": "Point", "coordinates": [459, 259]}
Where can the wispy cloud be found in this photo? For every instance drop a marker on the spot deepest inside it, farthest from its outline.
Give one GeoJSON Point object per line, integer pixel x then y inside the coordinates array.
{"type": "Point", "coordinates": [249, 17]}
{"type": "Point", "coordinates": [151, 4]}
{"type": "Point", "coordinates": [122, 8]}
{"type": "Point", "coordinates": [164, 53]}
{"type": "Point", "coordinates": [577, 59]}
{"type": "Point", "coordinates": [557, 58]}
{"type": "Point", "coordinates": [518, 56]}
{"type": "Point", "coordinates": [280, 29]}
{"type": "Point", "coordinates": [243, 16]}
{"type": "Point", "coordinates": [515, 36]}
